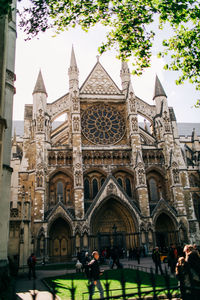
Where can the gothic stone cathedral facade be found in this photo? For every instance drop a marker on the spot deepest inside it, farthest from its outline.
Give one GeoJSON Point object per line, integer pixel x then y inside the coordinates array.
{"type": "Point", "coordinates": [99, 179]}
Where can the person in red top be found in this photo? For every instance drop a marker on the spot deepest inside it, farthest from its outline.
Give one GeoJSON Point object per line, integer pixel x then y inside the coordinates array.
{"type": "Point", "coordinates": [31, 262]}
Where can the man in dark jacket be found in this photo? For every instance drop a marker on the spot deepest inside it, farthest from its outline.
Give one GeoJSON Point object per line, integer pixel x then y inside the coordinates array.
{"type": "Point", "coordinates": [157, 260]}
{"type": "Point", "coordinates": [31, 265]}
{"type": "Point", "coordinates": [94, 275]}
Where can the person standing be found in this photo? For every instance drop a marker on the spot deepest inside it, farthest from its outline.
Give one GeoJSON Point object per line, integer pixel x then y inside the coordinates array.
{"type": "Point", "coordinates": [157, 260]}
{"type": "Point", "coordinates": [172, 258]}
{"type": "Point", "coordinates": [31, 265]}
{"type": "Point", "coordinates": [193, 260]}
{"type": "Point", "coordinates": [95, 275]}
{"type": "Point", "coordinates": [138, 252]}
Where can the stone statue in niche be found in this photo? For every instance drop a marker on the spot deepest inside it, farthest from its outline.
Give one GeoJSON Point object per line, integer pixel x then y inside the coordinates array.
{"type": "Point", "coordinates": [75, 101]}
{"type": "Point", "coordinates": [132, 103]}
{"type": "Point", "coordinates": [176, 175]}
{"type": "Point", "coordinates": [141, 178]}
{"type": "Point", "coordinates": [167, 123]}
{"type": "Point", "coordinates": [78, 178]}
{"type": "Point", "coordinates": [40, 121]}
{"type": "Point", "coordinates": [39, 179]}
{"type": "Point", "coordinates": [134, 122]}
{"type": "Point", "coordinates": [76, 123]}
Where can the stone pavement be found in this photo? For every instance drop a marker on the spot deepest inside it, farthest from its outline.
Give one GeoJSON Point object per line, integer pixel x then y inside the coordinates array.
{"type": "Point", "coordinates": [25, 287]}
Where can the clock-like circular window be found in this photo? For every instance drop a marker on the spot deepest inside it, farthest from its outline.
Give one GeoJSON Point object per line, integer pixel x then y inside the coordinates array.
{"type": "Point", "coordinates": [103, 124]}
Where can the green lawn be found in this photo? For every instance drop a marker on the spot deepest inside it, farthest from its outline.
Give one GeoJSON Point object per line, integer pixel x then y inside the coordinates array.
{"type": "Point", "coordinates": [80, 282]}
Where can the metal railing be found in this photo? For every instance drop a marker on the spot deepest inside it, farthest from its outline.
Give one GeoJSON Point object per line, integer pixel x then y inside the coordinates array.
{"type": "Point", "coordinates": [140, 292]}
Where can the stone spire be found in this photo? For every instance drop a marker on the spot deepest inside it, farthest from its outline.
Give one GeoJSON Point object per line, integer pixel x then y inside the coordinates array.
{"type": "Point", "coordinates": [73, 59]}
{"type": "Point", "coordinates": [159, 91]}
{"type": "Point", "coordinates": [125, 75]}
{"type": "Point", "coordinates": [73, 72]}
{"type": "Point", "coordinates": [39, 86]}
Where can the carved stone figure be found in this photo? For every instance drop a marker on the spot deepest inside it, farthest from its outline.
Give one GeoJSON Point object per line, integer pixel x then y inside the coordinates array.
{"type": "Point", "coordinates": [141, 178]}
{"type": "Point", "coordinates": [166, 122]}
{"type": "Point", "coordinates": [78, 178]}
{"type": "Point", "coordinates": [76, 122]}
{"type": "Point", "coordinates": [40, 121]}
{"type": "Point", "coordinates": [132, 103]}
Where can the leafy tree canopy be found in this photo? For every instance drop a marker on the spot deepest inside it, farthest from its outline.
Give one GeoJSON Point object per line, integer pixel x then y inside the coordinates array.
{"type": "Point", "coordinates": [129, 24]}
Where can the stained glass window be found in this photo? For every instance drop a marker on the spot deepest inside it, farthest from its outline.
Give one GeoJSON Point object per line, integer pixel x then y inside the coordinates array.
{"type": "Point", "coordinates": [128, 187]}
{"type": "Point", "coordinates": [102, 124]}
{"type": "Point", "coordinates": [94, 188]}
{"type": "Point", "coordinates": [86, 189]}
{"type": "Point", "coordinates": [153, 190]}
{"type": "Point", "coordinates": [59, 191]}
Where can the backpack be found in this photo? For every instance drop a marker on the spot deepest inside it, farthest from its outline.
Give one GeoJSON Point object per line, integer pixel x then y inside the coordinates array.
{"type": "Point", "coordinates": [29, 261]}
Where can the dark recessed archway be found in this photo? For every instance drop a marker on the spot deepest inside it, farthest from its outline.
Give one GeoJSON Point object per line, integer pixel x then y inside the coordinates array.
{"type": "Point", "coordinates": [166, 231]}
{"type": "Point", "coordinates": [59, 240]}
{"type": "Point", "coordinates": [112, 224]}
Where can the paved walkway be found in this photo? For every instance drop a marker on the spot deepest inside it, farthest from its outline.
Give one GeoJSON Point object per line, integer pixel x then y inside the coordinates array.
{"type": "Point", "coordinates": [25, 287]}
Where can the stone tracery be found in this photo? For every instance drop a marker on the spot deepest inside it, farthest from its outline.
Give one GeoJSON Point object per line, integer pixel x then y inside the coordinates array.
{"type": "Point", "coordinates": [103, 124]}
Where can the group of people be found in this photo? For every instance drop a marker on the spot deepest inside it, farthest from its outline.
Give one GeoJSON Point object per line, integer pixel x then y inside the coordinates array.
{"type": "Point", "coordinates": [188, 272]}
{"type": "Point", "coordinates": [92, 271]}
{"type": "Point", "coordinates": [185, 263]}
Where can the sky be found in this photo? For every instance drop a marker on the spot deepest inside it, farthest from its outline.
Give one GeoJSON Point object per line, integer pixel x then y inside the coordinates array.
{"type": "Point", "coordinates": [52, 56]}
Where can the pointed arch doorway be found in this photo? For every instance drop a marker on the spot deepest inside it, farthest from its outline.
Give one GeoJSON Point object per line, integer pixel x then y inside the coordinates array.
{"type": "Point", "coordinates": [165, 231]}
{"type": "Point", "coordinates": [113, 225]}
{"type": "Point", "coordinates": [60, 247]}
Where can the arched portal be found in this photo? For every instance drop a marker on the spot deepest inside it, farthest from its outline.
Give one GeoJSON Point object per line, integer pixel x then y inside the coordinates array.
{"type": "Point", "coordinates": [113, 225]}
{"type": "Point", "coordinates": [60, 240]}
{"type": "Point", "coordinates": [166, 231]}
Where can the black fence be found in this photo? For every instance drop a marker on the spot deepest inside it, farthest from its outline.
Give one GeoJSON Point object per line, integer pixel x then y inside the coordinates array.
{"type": "Point", "coordinates": [183, 290]}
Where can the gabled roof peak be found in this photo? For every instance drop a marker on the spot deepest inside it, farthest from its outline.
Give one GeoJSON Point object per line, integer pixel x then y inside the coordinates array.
{"type": "Point", "coordinates": [159, 91]}
{"type": "Point", "coordinates": [99, 82]}
{"type": "Point", "coordinates": [39, 86]}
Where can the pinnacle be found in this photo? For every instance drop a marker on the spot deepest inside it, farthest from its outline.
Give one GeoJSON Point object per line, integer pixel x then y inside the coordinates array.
{"type": "Point", "coordinates": [39, 86]}
{"type": "Point", "coordinates": [73, 58]}
{"type": "Point", "coordinates": [125, 67]}
{"type": "Point", "coordinates": [159, 91]}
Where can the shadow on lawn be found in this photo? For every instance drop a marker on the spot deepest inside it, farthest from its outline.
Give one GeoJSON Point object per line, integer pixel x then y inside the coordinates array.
{"type": "Point", "coordinates": [140, 281]}
{"type": "Point", "coordinates": [129, 275]}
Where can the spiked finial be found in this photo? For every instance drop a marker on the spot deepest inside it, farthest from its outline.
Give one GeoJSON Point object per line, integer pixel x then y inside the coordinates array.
{"type": "Point", "coordinates": [39, 86]}
{"type": "Point", "coordinates": [73, 58]}
{"type": "Point", "coordinates": [125, 76]}
{"type": "Point", "coordinates": [159, 91]}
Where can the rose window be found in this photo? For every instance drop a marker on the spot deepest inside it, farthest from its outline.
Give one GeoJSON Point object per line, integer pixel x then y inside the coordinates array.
{"type": "Point", "coordinates": [102, 124]}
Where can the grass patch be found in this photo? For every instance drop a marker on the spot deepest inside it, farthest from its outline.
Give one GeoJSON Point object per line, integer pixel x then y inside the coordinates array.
{"type": "Point", "coordinates": [63, 283]}
{"type": "Point", "coordinates": [67, 266]}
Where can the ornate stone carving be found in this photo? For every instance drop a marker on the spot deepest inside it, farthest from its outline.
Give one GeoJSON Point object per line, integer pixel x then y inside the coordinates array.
{"type": "Point", "coordinates": [76, 124]}
{"type": "Point", "coordinates": [103, 124]}
{"type": "Point", "coordinates": [141, 174]}
{"type": "Point", "coordinates": [132, 103]}
{"type": "Point", "coordinates": [39, 179]}
{"type": "Point", "coordinates": [111, 188]}
{"type": "Point", "coordinates": [100, 82]}
{"type": "Point", "coordinates": [175, 173]}
{"type": "Point", "coordinates": [40, 121]}
{"type": "Point", "coordinates": [75, 101]}
{"type": "Point", "coordinates": [78, 178]}
{"type": "Point", "coordinates": [166, 122]}
{"type": "Point", "coordinates": [134, 123]}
